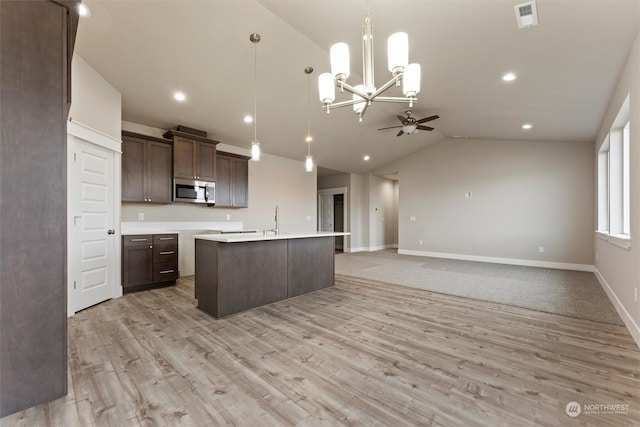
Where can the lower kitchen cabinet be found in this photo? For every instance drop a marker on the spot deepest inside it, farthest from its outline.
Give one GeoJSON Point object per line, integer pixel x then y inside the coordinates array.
{"type": "Point", "coordinates": [149, 260]}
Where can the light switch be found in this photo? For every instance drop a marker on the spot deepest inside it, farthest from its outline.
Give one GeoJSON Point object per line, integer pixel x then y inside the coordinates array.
{"type": "Point", "coordinates": [468, 195]}
{"type": "Point", "coordinates": [412, 218]}
{"type": "Point", "coordinates": [140, 216]}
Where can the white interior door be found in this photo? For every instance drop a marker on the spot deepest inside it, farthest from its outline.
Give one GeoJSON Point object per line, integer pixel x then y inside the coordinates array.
{"type": "Point", "coordinates": [93, 238]}
{"type": "Point", "coordinates": [326, 212]}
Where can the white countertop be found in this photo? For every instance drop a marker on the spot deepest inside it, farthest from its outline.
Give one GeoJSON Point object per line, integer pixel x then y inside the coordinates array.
{"type": "Point", "coordinates": [132, 231]}
{"type": "Point", "coordinates": [256, 237]}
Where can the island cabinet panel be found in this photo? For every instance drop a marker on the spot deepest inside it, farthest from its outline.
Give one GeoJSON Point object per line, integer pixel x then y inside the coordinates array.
{"type": "Point", "coordinates": [235, 277]}
{"type": "Point", "coordinates": [311, 265]}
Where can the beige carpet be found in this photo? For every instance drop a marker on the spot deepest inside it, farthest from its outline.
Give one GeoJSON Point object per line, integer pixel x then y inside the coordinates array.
{"type": "Point", "coordinates": [571, 293]}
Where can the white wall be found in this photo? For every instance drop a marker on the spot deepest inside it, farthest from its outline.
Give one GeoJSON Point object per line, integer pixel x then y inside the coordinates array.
{"type": "Point", "coordinates": [618, 269]}
{"type": "Point", "coordinates": [382, 213]}
{"type": "Point", "coordinates": [525, 195]}
{"type": "Point", "coordinates": [95, 103]}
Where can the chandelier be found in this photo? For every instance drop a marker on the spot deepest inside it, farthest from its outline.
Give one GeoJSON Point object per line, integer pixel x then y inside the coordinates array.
{"type": "Point", "coordinates": [366, 93]}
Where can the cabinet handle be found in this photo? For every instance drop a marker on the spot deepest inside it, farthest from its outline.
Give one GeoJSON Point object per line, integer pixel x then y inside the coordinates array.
{"type": "Point", "coordinates": [167, 271]}
{"type": "Point", "coordinates": [139, 240]}
{"type": "Point", "coordinates": [167, 253]}
{"type": "Point", "coordinates": [166, 238]}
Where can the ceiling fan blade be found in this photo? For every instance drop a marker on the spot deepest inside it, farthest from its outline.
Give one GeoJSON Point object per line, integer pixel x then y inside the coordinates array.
{"type": "Point", "coordinates": [390, 127]}
{"type": "Point", "coordinates": [402, 119]}
{"type": "Point", "coordinates": [400, 133]}
{"type": "Point", "coordinates": [428, 119]}
{"type": "Point", "coordinates": [424, 127]}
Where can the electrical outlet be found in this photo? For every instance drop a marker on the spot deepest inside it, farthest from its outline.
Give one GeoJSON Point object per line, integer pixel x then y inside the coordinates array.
{"type": "Point", "coordinates": [412, 218]}
{"type": "Point", "coordinates": [228, 217]}
{"type": "Point", "coordinates": [541, 249]}
{"type": "Point", "coordinates": [308, 217]}
{"type": "Point", "coordinates": [420, 242]}
{"type": "Point", "coordinates": [140, 216]}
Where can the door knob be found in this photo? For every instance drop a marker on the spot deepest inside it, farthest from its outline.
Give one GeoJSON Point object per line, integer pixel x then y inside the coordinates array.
{"type": "Point", "coordinates": [111, 231]}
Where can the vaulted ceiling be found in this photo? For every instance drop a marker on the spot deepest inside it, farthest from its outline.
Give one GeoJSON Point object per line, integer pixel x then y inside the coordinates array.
{"type": "Point", "coordinates": [567, 68]}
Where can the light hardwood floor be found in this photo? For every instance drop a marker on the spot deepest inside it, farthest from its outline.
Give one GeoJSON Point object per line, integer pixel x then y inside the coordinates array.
{"type": "Point", "coordinates": [360, 353]}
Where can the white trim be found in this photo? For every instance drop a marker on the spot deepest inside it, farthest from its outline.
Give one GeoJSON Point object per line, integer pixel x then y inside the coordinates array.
{"type": "Point", "coordinates": [345, 214]}
{"type": "Point", "coordinates": [351, 250]}
{"type": "Point", "coordinates": [94, 136]}
{"type": "Point", "coordinates": [381, 248]}
{"type": "Point", "coordinates": [631, 325]}
{"type": "Point", "coordinates": [621, 240]}
{"type": "Point", "coordinates": [496, 260]}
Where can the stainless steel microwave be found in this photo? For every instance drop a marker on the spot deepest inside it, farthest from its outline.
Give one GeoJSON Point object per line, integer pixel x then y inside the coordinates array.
{"type": "Point", "coordinates": [190, 191]}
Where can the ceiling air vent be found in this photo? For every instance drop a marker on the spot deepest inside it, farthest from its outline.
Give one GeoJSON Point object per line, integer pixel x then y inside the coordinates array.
{"type": "Point", "coordinates": [526, 14]}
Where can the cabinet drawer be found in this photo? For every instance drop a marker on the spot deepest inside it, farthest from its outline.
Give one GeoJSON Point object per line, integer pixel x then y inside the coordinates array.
{"type": "Point", "coordinates": [165, 272]}
{"type": "Point", "coordinates": [165, 238]}
{"type": "Point", "coordinates": [165, 252]}
{"type": "Point", "coordinates": [137, 239]}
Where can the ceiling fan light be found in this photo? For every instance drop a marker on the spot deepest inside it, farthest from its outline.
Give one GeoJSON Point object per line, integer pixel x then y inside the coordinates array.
{"type": "Point", "coordinates": [255, 151]}
{"type": "Point", "coordinates": [308, 164]}
{"type": "Point", "coordinates": [398, 52]}
{"type": "Point", "coordinates": [326, 88]}
{"type": "Point", "coordinates": [359, 106]}
{"type": "Point", "coordinates": [340, 65]}
{"type": "Point", "coordinates": [411, 80]}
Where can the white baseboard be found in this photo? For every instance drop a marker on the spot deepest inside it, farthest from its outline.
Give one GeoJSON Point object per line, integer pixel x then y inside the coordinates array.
{"type": "Point", "coordinates": [372, 248]}
{"type": "Point", "coordinates": [497, 260]}
{"type": "Point", "coordinates": [631, 325]}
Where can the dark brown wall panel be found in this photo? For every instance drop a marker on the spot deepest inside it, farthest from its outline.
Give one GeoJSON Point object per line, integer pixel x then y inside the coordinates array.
{"type": "Point", "coordinates": [34, 94]}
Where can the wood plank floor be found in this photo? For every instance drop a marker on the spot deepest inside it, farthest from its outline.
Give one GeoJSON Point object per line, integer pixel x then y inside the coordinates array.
{"type": "Point", "coordinates": [360, 353]}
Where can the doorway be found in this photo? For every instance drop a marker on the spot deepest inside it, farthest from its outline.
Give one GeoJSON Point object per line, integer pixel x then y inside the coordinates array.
{"type": "Point", "coordinates": [332, 213]}
{"type": "Point", "coordinates": [93, 250]}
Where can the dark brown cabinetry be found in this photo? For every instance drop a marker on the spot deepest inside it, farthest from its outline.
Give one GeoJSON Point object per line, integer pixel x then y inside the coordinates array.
{"type": "Point", "coordinates": [36, 41]}
{"type": "Point", "coordinates": [194, 157]}
{"type": "Point", "coordinates": [232, 180]}
{"type": "Point", "coordinates": [146, 169]}
{"type": "Point", "coordinates": [149, 260]}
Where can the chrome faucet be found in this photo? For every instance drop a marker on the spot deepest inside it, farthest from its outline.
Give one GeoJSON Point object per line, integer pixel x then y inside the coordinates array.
{"type": "Point", "coordinates": [277, 229]}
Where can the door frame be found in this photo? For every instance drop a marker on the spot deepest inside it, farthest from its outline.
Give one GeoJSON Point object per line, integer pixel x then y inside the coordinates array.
{"type": "Point", "coordinates": [75, 132]}
{"type": "Point", "coordinates": [346, 219]}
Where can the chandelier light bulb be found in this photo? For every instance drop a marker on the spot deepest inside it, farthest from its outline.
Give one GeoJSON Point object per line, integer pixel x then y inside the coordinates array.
{"type": "Point", "coordinates": [326, 87]}
{"type": "Point", "coordinates": [411, 81]}
{"type": "Point", "coordinates": [398, 52]}
{"type": "Point", "coordinates": [339, 56]}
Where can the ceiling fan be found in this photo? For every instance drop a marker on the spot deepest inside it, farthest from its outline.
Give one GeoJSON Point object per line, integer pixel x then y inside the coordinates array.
{"type": "Point", "coordinates": [411, 125]}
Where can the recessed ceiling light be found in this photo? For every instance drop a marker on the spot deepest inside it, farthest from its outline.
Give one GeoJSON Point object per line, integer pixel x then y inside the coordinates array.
{"type": "Point", "coordinates": [366, 158]}
{"type": "Point", "coordinates": [526, 126]}
{"type": "Point", "coordinates": [179, 96]}
{"type": "Point", "coordinates": [248, 119]}
{"type": "Point", "coordinates": [509, 77]}
{"type": "Point", "coordinates": [84, 11]}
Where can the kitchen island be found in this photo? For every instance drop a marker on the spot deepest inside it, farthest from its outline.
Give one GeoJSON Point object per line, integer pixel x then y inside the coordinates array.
{"type": "Point", "coordinates": [236, 272]}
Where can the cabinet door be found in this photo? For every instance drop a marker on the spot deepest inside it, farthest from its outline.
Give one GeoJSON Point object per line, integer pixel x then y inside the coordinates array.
{"type": "Point", "coordinates": [223, 180]}
{"type": "Point", "coordinates": [205, 158]}
{"type": "Point", "coordinates": [240, 183]}
{"type": "Point", "coordinates": [184, 152]}
{"type": "Point", "coordinates": [159, 179]}
{"type": "Point", "coordinates": [137, 261]}
{"type": "Point", "coordinates": [133, 152]}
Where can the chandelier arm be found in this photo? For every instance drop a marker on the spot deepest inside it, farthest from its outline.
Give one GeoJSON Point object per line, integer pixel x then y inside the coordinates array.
{"type": "Point", "coordinates": [396, 99]}
{"type": "Point", "coordinates": [388, 84]}
{"type": "Point", "coordinates": [340, 104]}
{"type": "Point", "coordinates": [355, 91]}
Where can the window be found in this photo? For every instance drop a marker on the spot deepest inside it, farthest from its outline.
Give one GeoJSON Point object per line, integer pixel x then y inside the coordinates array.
{"type": "Point", "coordinates": [613, 180]}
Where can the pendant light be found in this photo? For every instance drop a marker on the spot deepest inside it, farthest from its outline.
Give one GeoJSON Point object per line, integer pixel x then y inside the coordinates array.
{"type": "Point", "coordinates": [308, 163]}
{"type": "Point", "coordinates": [255, 144]}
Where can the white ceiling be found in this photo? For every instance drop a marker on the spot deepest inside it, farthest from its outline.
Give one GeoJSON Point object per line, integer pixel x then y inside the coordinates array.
{"type": "Point", "coordinates": [567, 68]}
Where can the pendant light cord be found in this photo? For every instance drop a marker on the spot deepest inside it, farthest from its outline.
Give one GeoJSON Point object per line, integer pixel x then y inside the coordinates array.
{"type": "Point", "coordinates": [255, 92]}
{"type": "Point", "coordinates": [309, 112]}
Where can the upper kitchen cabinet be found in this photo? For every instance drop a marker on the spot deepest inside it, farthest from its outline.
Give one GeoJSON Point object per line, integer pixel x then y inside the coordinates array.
{"type": "Point", "coordinates": [146, 169]}
{"type": "Point", "coordinates": [232, 180]}
{"type": "Point", "coordinates": [194, 157]}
